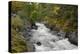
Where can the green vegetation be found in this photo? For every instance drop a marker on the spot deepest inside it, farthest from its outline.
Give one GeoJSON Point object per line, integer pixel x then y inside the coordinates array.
{"type": "Point", "coordinates": [18, 43]}
{"type": "Point", "coordinates": [63, 17]}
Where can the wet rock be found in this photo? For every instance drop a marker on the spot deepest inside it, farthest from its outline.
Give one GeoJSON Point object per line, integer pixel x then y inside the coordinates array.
{"type": "Point", "coordinates": [73, 37]}
{"type": "Point", "coordinates": [33, 26]}
{"type": "Point", "coordinates": [61, 34]}
{"type": "Point", "coordinates": [38, 43]}
{"type": "Point", "coordinates": [54, 32]}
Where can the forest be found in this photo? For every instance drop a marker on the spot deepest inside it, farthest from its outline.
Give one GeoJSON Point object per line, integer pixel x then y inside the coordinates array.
{"type": "Point", "coordinates": [58, 17]}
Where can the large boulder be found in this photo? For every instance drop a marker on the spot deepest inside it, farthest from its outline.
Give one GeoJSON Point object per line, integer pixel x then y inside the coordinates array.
{"type": "Point", "coordinates": [73, 37]}
{"type": "Point", "coordinates": [33, 26]}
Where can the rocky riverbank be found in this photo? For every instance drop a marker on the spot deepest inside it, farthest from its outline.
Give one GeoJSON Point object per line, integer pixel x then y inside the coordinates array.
{"type": "Point", "coordinates": [72, 36]}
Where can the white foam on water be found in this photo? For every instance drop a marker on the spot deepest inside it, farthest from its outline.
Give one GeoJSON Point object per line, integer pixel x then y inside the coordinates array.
{"type": "Point", "coordinates": [49, 41]}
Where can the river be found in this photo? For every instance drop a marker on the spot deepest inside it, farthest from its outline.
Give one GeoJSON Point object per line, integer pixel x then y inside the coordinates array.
{"type": "Point", "coordinates": [44, 40]}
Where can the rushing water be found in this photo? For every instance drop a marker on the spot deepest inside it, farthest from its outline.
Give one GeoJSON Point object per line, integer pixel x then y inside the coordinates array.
{"type": "Point", "coordinates": [44, 40]}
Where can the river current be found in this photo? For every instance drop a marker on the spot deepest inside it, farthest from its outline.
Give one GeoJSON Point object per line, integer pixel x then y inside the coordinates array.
{"type": "Point", "coordinates": [44, 40]}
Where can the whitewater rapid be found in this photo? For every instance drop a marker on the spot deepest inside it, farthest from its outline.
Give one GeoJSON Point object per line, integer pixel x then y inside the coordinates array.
{"type": "Point", "coordinates": [44, 40]}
